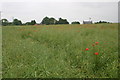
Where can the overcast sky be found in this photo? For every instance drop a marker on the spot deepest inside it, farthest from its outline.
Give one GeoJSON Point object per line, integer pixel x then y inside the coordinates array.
{"type": "Point", "coordinates": [72, 10]}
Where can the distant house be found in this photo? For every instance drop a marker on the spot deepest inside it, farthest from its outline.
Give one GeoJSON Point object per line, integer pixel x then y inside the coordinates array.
{"type": "Point", "coordinates": [87, 22]}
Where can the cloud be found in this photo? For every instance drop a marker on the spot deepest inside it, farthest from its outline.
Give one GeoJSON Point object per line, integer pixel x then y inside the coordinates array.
{"type": "Point", "coordinates": [59, 0]}
{"type": "Point", "coordinates": [73, 11]}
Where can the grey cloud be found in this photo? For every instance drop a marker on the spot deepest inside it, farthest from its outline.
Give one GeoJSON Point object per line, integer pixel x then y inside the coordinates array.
{"type": "Point", "coordinates": [78, 11]}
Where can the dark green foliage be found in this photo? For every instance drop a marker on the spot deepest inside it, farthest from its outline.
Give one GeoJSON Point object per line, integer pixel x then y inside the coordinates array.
{"type": "Point", "coordinates": [49, 21]}
{"type": "Point", "coordinates": [17, 22]}
{"type": "Point", "coordinates": [33, 22]}
{"type": "Point", "coordinates": [62, 21]}
{"type": "Point", "coordinates": [101, 22]}
{"type": "Point", "coordinates": [75, 22]}
{"type": "Point", "coordinates": [45, 21]}
{"type": "Point", "coordinates": [10, 23]}
{"type": "Point", "coordinates": [28, 23]}
{"type": "Point", "coordinates": [5, 22]}
{"type": "Point", "coordinates": [52, 21]}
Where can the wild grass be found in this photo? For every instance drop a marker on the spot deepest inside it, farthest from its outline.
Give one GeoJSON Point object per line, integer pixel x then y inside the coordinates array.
{"type": "Point", "coordinates": [58, 51]}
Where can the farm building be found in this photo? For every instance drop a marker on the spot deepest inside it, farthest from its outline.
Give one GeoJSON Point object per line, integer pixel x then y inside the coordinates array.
{"type": "Point", "coordinates": [87, 22]}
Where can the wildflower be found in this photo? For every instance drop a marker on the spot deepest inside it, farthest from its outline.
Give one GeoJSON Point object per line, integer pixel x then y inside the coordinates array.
{"type": "Point", "coordinates": [87, 49]}
{"type": "Point", "coordinates": [96, 53]}
{"type": "Point", "coordinates": [96, 43]}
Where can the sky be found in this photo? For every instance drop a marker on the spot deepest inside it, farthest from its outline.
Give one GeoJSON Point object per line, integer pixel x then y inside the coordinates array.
{"type": "Point", "coordinates": [72, 10]}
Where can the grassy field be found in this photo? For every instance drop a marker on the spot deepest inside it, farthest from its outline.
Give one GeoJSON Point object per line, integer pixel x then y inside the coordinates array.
{"type": "Point", "coordinates": [59, 51]}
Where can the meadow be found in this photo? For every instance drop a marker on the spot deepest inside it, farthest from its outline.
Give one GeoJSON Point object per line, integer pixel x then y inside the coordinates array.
{"type": "Point", "coordinates": [60, 51]}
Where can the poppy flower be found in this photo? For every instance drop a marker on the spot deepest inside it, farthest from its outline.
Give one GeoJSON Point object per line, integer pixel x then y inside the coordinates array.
{"type": "Point", "coordinates": [96, 53]}
{"type": "Point", "coordinates": [87, 49]}
{"type": "Point", "coordinates": [96, 43]}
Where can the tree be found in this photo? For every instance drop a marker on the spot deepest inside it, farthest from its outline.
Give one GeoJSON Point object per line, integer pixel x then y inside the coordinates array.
{"type": "Point", "coordinates": [10, 23]}
{"type": "Point", "coordinates": [49, 21]}
{"type": "Point", "coordinates": [52, 21]}
{"type": "Point", "coordinates": [101, 22]}
{"type": "Point", "coordinates": [17, 22]}
{"type": "Point", "coordinates": [75, 22]}
{"type": "Point", "coordinates": [28, 23]}
{"type": "Point", "coordinates": [62, 21]}
{"type": "Point", "coordinates": [5, 22]}
{"type": "Point", "coordinates": [33, 22]}
{"type": "Point", "coordinates": [45, 21]}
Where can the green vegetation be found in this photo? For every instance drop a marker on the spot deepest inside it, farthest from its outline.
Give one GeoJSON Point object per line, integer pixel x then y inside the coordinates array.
{"type": "Point", "coordinates": [45, 21]}
{"type": "Point", "coordinates": [76, 22]}
{"type": "Point", "coordinates": [101, 22]}
{"type": "Point", "coordinates": [50, 21]}
{"type": "Point", "coordinates": [4, 22]}
{"type": "Point", "coordinates": [59, 51]}
{"type": "Point", "coordinates": [17, 22]}
{"type": "Point", "coordinates": [33, 22]}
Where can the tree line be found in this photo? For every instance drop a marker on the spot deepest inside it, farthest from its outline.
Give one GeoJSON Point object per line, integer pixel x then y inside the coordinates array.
{"type": "Point", "coordinates": [45, 21]}
{"type": "Point", "coordinates": [101, 22]}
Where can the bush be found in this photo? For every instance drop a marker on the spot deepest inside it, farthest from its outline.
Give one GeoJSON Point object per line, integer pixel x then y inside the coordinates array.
{"type": "Point", "coordinates": [75, 22]}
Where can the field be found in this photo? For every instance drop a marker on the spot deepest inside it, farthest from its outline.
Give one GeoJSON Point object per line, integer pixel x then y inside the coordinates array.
{"type": "Point", "coordinates": [60, 51]}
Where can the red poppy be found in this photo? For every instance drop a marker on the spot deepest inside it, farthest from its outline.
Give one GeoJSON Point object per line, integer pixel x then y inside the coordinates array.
{"type": "Point", "coordinates": [87, 49]}
{"type": "Point", "coordinates": [96, 53]}
{"type": "Point", "coordinates": [96, 43]}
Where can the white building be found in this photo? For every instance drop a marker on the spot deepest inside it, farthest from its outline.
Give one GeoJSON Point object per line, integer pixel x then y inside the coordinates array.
{"type": "Point", "coordinates": [87, 22]}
